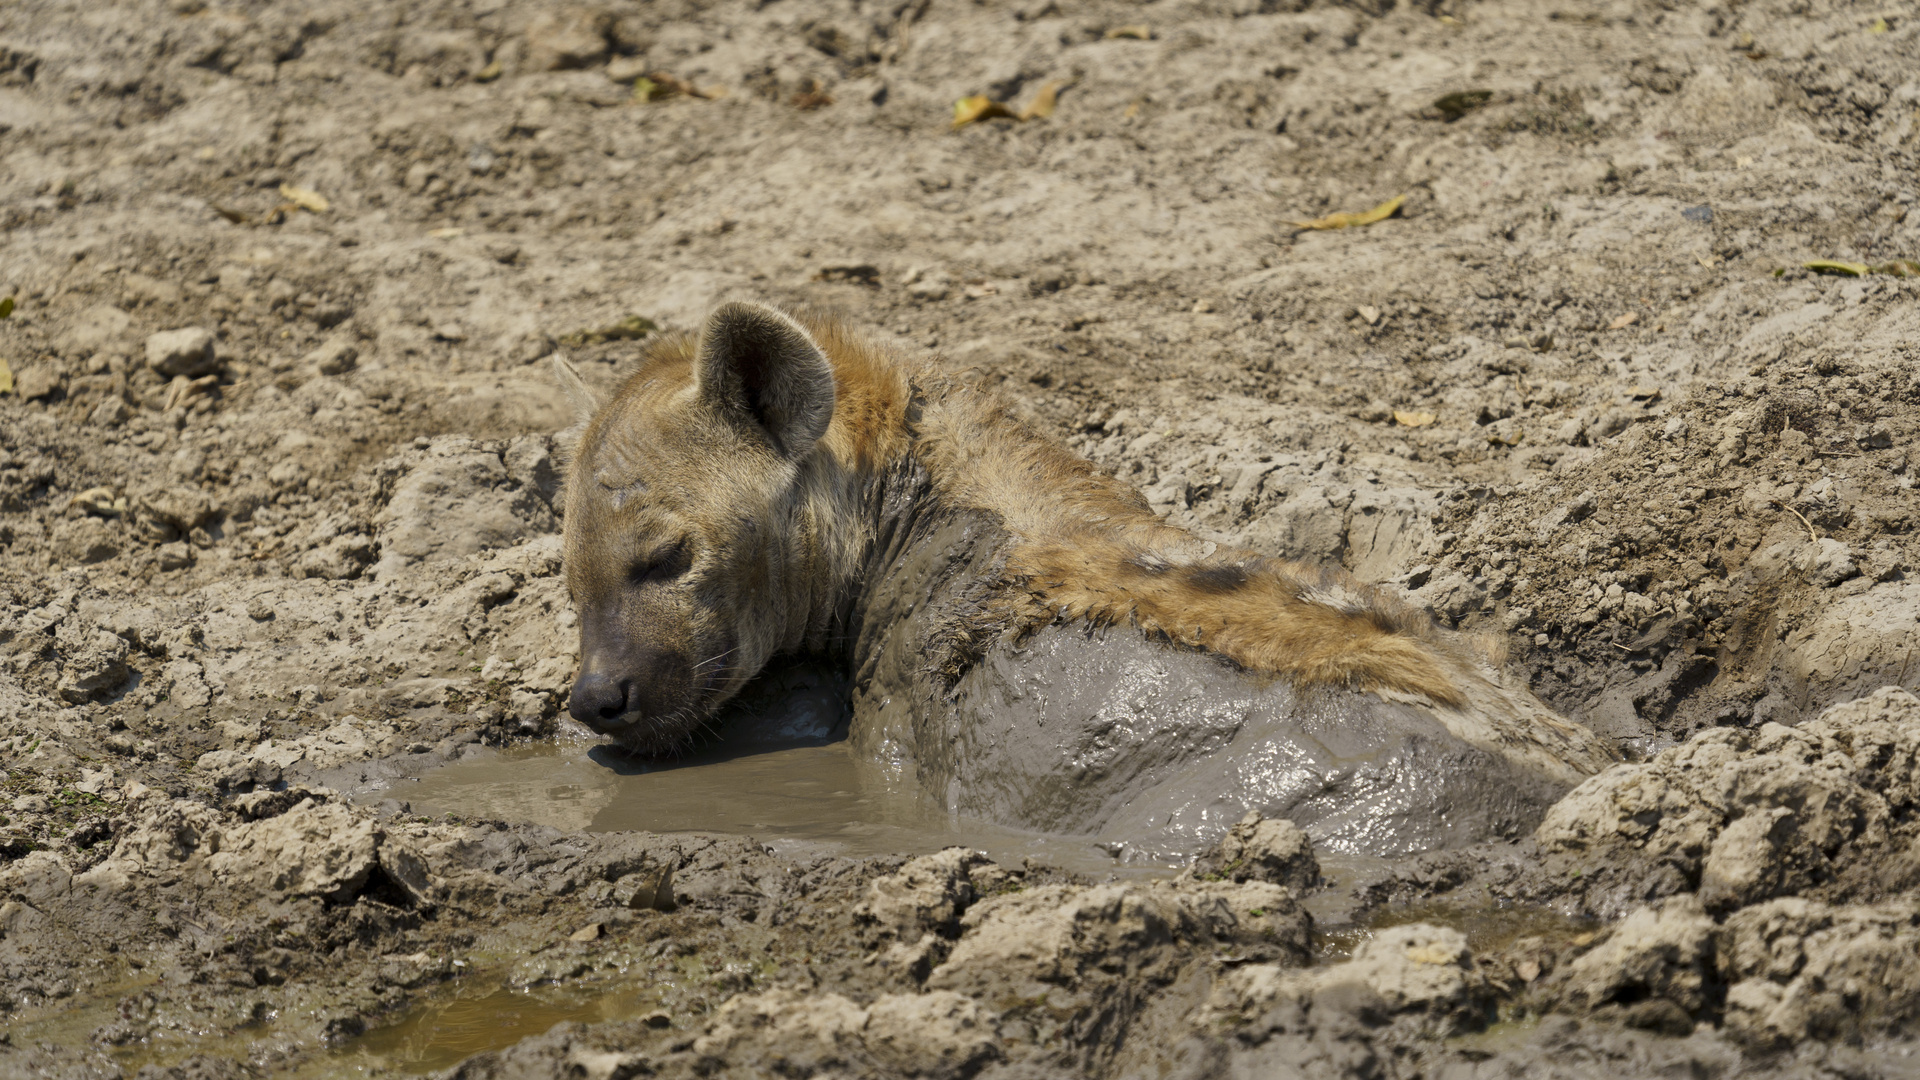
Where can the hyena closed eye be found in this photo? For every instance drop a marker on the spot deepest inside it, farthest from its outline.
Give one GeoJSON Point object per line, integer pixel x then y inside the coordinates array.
{"type": "Point", "coordinates": [778, 486]}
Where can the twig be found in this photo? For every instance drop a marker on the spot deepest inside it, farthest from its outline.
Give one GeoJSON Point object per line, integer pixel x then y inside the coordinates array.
{"type": "Point", "coordinates": [1811, 535]}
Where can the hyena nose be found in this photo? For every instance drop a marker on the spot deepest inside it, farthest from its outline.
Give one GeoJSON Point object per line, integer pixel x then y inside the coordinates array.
{"type": "Point", "coordinates": [599, 699]}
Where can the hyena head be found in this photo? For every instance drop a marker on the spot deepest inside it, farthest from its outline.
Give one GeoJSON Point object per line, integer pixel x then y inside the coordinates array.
{"type": "Point", "coordinates": [682, 553]}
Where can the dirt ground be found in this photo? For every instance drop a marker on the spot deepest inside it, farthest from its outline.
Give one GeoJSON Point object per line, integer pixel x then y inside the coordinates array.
{"type": "Point", "coordinates": [276, 504]}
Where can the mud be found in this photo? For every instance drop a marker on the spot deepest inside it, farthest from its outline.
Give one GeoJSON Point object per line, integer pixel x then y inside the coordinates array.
{"type": "Point", "coordinates": [276, 508]}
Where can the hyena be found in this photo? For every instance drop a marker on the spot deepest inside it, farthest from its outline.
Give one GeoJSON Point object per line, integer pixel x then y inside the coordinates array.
{"type": "Point", "coordinates": [1021, 631]}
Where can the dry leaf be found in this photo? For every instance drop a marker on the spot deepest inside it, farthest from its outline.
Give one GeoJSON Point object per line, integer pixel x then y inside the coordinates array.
{"type": "Point", "coordinates": [1454, 106]}
{"type": "Point", "coordinates": [814, 96]}
{"type": "Point", "coordinates": [1136, 31]}
{"type": "Point", "coordinates": [1878, 26]}
{"type": "Point", "coordinates": [6, 378]}
{"type": "Point", "coordinates": [489, 73]}
{"type": "Point", "coordinates": [6, 307]}
{"type": "Point", "coordinates": [981, 107]}
{"type": "Point", "coordinates": [1345, 220]}
{"type": "Point", "coordinates": [1835, 266]}
{"type": "Point", "coordinates": [655, 85]}
{"type": "Point", "coordinates": [1412, 419]}
{"type": "Point", "coordinates": [447, 233]}
{"type": "Point", "coordinates": [305, 198]}
{"type": "Point", "coordinates": [1133, 109]}
{"type": "Point", "coordinates": [631, 328]}
{"type": "Point", "coordinates": [1624, 321]}
{"type": "Point", "coordinates": [1041, 107]}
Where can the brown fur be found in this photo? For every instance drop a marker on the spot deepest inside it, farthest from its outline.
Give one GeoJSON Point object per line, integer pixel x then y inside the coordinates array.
{"type": "Point", "coordinates": [1084, 546]}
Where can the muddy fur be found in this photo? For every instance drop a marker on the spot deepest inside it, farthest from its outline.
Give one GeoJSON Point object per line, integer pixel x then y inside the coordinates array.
{"type": "Point", "coordinates": [771, 451]}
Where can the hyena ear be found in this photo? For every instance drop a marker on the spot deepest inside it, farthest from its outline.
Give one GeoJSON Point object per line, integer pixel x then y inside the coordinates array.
{"type": "Point", "coordinates": [756, 363]}
{"type": "Point", "coordinates": [582, 399]}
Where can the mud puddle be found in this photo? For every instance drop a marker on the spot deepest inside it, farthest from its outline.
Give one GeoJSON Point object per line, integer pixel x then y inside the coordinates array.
{"type": "Point", "coordinates": [791, 797]}
{"type": "Point", "coordinates": [475, 1020]}
{"type": "Point", "coordinates": [780, 769]}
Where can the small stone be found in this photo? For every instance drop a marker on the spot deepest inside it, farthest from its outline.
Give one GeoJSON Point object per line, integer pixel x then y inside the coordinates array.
{"type": "Point", "coordinates": [1258, 849]}
{"type": "Point", "coordinates": [37, 381]}
{"type": "Point", "coordinates": [1826, 563]}
{"type": "Point", "coordinates": [336, 357]}
{"type": "Point", "coordinates": [589, 932]}
{"type": "Point", "coordinates": [625, 69]}
{"type": "Point", "coordinates": [450, 332]}
{"type": "Point", "coordinates": [109, 414]}
{"type": "Point", "coordinates": [929, 285]}
{"type": "Point", "coordinates": [1202, 306]}
{"type": "Point", "coordinates": [187, 351]}
{"type": "Point", "coordinates": [288, 475]}
{"type": "Point", "coordinates": [573, 37]}
{"type": "Point", "coordinates": [259, 610]}
{"type": "Point", "coordinates": [175, 556]}
{"type": "Point", "coordinates": [85, 542]}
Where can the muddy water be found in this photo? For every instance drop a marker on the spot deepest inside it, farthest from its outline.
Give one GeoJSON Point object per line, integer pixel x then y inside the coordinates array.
{"type": "Point", "coordinates": [779, 769]}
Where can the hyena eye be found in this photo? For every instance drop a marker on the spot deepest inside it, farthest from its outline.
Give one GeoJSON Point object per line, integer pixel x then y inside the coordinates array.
{"type": "Point", "coordinates": [663, 565]}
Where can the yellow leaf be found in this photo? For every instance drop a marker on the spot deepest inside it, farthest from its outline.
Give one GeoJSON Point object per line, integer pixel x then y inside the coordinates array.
{"type": "Point", "coordinates": [1041, 106]}
{"type": "Point", "coordinates": [6, 307]}
{"type": "Point", "coordinates": [305, 198]}
{"type": "Point", "coordinates": [1624, 321]}
{"type": "Point", "coordinates": [1412, 419]}
{"type": "Point", "coordinates": [6, 378]}
{"type": "Point", "coordinates": [1345, 220]}
{"type": "Point", "coordinates": [1136, 31]}
{"type": "Point", "coordinates": [981, 107]}
{"type": "Point", "coordinates": [447, 233]}
{"type": "Point", "coordinates": [1835, 266]}
{"type": "Point", "coordinates": [1879, 26]}
{"type": "Point", "coordinates": [488, 73]}
{"type": "Point", "coordinates": [978, 107]}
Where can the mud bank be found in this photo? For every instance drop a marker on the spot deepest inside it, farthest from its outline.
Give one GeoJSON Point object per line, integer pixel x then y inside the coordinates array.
{"type": "Point", "coordinates": [276, 504]}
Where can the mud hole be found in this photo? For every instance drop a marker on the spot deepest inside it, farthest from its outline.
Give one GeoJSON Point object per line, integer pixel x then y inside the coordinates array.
{"type": "Point", "coordinates": [276, 508]}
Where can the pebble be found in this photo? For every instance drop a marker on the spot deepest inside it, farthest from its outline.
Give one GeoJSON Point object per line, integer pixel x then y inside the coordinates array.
{"type": "Point", "coordinates": [333, 358]}
{"type": "Point", "coordinates": [37, 381]}
{"type": "Point", "coordinates": [187, 351]}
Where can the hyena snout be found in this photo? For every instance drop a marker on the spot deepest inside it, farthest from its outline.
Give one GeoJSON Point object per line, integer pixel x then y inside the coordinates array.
{"type": "Point", "coordinates": [641, 689]}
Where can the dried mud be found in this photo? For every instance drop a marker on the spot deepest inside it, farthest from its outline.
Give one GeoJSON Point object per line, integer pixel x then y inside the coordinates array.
{"type": "Point", "coordinates": [276, 508]}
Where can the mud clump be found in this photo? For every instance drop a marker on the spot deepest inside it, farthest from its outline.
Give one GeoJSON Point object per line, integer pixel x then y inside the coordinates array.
{"type": "Point", "coordinates": [1742, 816]}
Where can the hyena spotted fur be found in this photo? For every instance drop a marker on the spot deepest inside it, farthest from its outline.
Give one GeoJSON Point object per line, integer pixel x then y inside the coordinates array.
{"type": "Point", "coordinates": [745, 491]}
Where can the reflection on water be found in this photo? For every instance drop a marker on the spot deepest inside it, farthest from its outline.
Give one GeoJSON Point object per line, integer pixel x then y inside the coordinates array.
{"type": "Point", "coordinates": [446, 1032]}
{"type": "Point", "coordinates": [779, 769]}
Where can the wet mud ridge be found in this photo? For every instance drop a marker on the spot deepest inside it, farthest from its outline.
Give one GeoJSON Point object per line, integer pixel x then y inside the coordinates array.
{"type": "Point", "coordinates": [285, 779]}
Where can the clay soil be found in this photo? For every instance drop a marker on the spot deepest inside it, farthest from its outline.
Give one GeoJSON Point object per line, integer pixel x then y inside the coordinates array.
{"type": "Point", "coordinates": [276, 507]}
